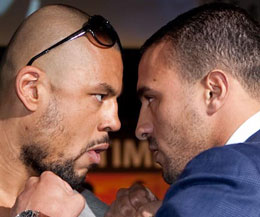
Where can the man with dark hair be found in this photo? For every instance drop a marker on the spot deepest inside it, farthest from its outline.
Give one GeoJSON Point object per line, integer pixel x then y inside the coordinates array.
{"type": "Point", "coordinates": [60, 79]}
{"type": "Point", "coordinates": [199, 84]}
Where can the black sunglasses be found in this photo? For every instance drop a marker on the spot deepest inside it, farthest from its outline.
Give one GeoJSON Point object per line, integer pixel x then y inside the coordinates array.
{"type": "Point", "coordinates": [100, 29]}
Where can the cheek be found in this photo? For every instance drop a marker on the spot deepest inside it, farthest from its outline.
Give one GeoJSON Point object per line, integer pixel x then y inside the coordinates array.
{"type": "Point", "coordinates": [80, 119]}
{"type": "Point", "coordinates": [82, 126]}
{"type": "Point", "coordinates": [79, 129]}
{"type": "Point", "coordinates": [162, 117]}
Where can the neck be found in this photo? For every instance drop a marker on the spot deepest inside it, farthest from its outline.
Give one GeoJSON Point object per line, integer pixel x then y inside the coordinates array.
{"type": "Point", "coordinates": [234, 114]}
{"type": "Point", "coordinates": [13, 173]}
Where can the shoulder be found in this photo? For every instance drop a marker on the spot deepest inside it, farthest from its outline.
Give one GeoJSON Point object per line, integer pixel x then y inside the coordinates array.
{"type": "Point", "coordinates": [222, 181]}
{"type": "Point", "coordinates": [224, 160]}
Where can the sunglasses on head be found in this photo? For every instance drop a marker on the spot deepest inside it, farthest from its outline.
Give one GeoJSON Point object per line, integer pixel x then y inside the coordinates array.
{"type": "Point", "coordinates": [101, 30]}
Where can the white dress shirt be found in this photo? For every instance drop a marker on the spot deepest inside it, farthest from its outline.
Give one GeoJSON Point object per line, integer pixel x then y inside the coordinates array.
{"type": "Point", "coordinates": [247, 129]}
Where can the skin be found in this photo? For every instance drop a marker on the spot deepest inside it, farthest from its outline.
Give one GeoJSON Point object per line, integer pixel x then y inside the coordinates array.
{"type": "Point", "coordinates": [88, 116]}
{"type": "Point", "coordinates": [137, 201]}
{"type": "Point", "coordinates": [38, 193]}
{"type": "Point", "coordinates": [62, 107]}
{"type": "Point", "coordinates": [169, 116]}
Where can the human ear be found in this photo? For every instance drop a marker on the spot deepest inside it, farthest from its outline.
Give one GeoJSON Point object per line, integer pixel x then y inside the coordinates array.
{"type": "Point", "coordinates": [216, 91]}
{"type": "Point", "coordinates": [27, 86]}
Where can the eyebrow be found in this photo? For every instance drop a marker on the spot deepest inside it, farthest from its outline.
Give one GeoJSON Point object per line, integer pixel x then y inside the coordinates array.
{"type": "Point", "coordinates": [109, 89]}
{"type": "Point", "coordinates": [141, 91]}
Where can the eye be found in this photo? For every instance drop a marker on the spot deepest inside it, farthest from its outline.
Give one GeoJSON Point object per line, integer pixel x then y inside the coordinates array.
{"type": "Point", "coordinates": [148, 98]}
{"type": "Point", "coordinates": [100, 97]}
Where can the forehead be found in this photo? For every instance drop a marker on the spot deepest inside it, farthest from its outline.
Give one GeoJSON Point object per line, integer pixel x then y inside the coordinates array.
{"type": "Point", "coordinates": [104, 64]}
{"type": "Point", "coordinates": [88, 65]}
{"type": "Point", "coordinates": [154, 70]}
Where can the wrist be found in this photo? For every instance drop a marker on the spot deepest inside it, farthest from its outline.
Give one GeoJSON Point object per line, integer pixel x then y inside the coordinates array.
{"type": "Point", "coordinates": [31, 213]}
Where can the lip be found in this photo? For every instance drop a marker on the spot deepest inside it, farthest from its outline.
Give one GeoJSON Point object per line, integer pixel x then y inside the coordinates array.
{"type": "Point", "coordinates": [94, 152]}
{"type": "Point", "coordinates": [153, 148]}
{"type": "Point", "coordinates": [99, 147]}
{"type": "Point", "coordinates": [155, 152]}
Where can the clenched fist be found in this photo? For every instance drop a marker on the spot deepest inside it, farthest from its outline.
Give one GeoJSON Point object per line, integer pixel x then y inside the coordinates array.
{"type": "Point", "coordinates": [49, 195]}
{"type": "Point", "coordinates": [136, 201]}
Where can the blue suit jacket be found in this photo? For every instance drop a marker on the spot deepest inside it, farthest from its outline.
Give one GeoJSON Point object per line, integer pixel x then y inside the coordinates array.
{"type": "Point", "coordinates": [220, 182]}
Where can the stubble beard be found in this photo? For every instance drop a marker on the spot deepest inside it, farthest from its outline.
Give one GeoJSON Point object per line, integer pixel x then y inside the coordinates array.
{"type": "Point", "coordinates": [168, 168]}
{"type": "Point", "coordinates": [185, 140]}
{"type": "Point", "coordinates": [33, 156]}
{"type": "Point", "coordinates": [35, 152]}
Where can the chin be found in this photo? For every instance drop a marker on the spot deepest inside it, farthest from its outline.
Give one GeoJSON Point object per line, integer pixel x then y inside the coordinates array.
{"type": "Point", "coordinates": [74, 181]}
{"type": "Point", "coordinates": [170, 177]}
{"type": "Point", "coordinates": [69, 174]}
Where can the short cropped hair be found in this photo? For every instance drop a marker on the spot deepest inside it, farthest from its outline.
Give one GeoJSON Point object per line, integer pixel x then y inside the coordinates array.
{"type": "Point", "coordinates": [211, 36]}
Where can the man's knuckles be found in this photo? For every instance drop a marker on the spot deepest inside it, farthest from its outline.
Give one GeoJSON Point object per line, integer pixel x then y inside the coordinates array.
{"type": "Point", "coordinates": [121, 192]}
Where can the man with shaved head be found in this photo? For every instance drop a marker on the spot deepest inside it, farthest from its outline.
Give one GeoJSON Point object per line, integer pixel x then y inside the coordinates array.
{"type": "Point", "coordinates": [60, 78]}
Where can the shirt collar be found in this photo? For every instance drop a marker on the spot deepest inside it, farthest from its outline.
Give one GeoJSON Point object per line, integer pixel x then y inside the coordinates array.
{"type": "Point", "coordinates": [247, 129]}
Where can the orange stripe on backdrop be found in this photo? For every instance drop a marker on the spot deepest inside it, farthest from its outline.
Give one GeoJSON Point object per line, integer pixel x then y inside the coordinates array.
{"type": "Point", "coordinates": [106, 185]}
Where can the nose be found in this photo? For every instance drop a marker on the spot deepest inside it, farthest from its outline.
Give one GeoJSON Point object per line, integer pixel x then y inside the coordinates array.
{"type": "Point", "coordinates": [144, 128]}
{"type": "Point", "coordinates": [110, 121]}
